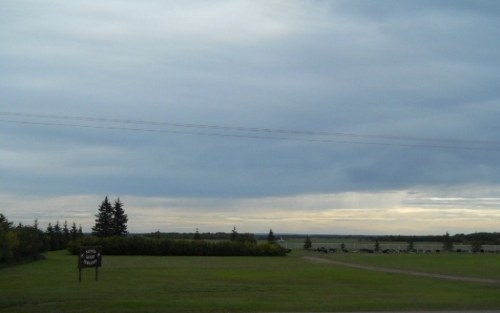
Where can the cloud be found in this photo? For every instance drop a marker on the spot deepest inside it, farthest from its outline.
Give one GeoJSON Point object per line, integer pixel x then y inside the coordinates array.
{"type": "Point", "coordinates": [395, 84]}
{"type": "Point", "coordinates": [387, 212]}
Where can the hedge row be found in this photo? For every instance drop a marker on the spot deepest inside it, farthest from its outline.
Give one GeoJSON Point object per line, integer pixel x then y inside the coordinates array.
{"type": "Point", "coordinates": [148, 246]}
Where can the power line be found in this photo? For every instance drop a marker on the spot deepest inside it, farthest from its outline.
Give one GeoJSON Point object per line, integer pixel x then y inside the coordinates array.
{"type": "Point", "coordinates": [248, 129]}
{"type": "Point", "coordinates": [239, 132]}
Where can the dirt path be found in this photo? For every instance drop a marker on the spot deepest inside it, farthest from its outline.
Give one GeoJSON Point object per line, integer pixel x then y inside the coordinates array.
{"type": "Point", "coordinates": [404, 272]}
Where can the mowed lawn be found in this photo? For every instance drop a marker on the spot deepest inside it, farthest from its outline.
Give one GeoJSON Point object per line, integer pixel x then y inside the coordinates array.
{"type": "Point", "coordinates": [481, 265]}
{"type": "Point", "coordinates": [228, 284]}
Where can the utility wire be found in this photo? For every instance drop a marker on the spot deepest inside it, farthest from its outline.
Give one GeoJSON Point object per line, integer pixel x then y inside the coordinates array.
{"type": "Point", "coordinates": [270, 134]}
{"type": "Point", "coordinates": [247, 129]}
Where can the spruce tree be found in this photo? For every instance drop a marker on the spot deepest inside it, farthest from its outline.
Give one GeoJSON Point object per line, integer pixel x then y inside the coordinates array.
{"type": "Point", "coordinates": [120, 219]}
{"type": "Point", "coordinates": [52, 237]}
{"type": "Point", "coordinates": [270, 237]}
{"type": "Point", "coordinates": [197, 235]}
{"type": "Point", "coordinates": [104, 220]}
{"type": "Point", "coordinates": [234, 234]}
{"type": "Point", "coordinates": [73, 233]}
{"type": "Point", "coordinates": [476, 245]}
{"type": "Point", "coordinates": [411, 246]}
{"type": "Point", "coordinates": [307, 243]}
{"type": "Point", "coordinates": [447, 242]}
{"type": "Point", "coordinates": [65, 232]}
{"type": "Point", "coordinates": [5, 243]}
{"type": "Point", "coordinates": [59, 235]}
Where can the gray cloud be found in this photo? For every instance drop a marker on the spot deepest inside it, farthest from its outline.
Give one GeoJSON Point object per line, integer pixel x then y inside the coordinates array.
{"type": "Point", "coordinates": [415, 70]}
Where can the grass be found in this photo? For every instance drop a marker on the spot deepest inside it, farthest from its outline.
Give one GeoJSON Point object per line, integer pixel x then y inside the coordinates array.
{"type": "Point", "coordinates": [229, 284]}
{"type": "Point", "coordinates": [468, 265]}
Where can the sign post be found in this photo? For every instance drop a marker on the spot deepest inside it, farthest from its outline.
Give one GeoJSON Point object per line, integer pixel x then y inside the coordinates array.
{"type": "Point", "coordinates": [89, 257]}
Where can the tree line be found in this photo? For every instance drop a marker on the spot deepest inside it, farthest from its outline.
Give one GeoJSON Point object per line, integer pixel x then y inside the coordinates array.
{"type": "Point", "coordinates": [140, 245]}
{"type": "Point", "coordinates": [197, 235]}
{"type": "Point", "coordinates": [110, 232]}
{"type": "Point", "coordinates": [19, 243]}
{"type": "Point", "coordinates": [28, 242]}
{"type": "Point", "coordinates": [475, 240]}
{"type": "Point", "coordinates": [234, 244]}
{"type": "Point", "coordinates": [60, 236]}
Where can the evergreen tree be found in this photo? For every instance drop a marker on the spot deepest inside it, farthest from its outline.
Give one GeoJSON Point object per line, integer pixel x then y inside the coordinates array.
{"type": "Point", "coordinates": [234, 234]}
{"type": "Point", "coordinates": [270, 237]}
{"type": "Point", "coordinates": [58, 236]}
{"type": "Point", "coordinates": [307, 243]}
{"type": "Point", "coordinates": [197, 235]}
{"type": "Point", "coordinates": [65, 232]}
{"type": "Point", "coordinates": [447, 242]}
{"type": "Point", "coordinates": [104, 226]}
{"type": "Point", "coordinates": [80, 232]}
{"type": "Point", "coordinates": [5, 222]}
{"type": "Point", "coordinates": [5, 244]}
{"type": "Point", "coordinates": [377, 246]}
{"type": "Point", "coordinates": [411, 246]}
{"type": "Point", "coordinates": [73, 233]}
{"type": "Point", "coordinates": [476, 245]}
{"type": "Point", "coordinates": [120, 219]}
{"type": "Point", "coordinates": [51, 237]}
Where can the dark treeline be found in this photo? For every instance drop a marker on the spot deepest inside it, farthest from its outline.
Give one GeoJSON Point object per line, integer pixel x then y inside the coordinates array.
{"type": "Point", "coordinates": [483, 238]}
{"type": "Point", "coordinates": [140, 245]}
{"type": "Point", "coordinates": [487, 238]}
{"type": "Point", "coordinates": [59, 236]}
{"type": "Point", "coordinates": [204, 236]}
{"type": "Point", "coordinates": [183, 244]}
{"type": "Point", "coordinates": [187, 236]}
{"type": "Point", "coordinates": [28, 242]}
{"type": "Point", "coordinates": [20, 243]}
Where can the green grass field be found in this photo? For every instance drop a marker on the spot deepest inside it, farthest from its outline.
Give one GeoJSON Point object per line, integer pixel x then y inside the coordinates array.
{"type": "Point", "coordinates": [467, 265]}
{"type": "Point", "coordinates": [242, 284]}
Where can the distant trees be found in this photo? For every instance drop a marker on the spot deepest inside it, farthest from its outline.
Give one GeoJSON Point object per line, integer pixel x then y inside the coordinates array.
{"type": "Point", "coordinates": [476, 246]}
{"type": "Point", "coordinates": [234, 234]}
{"type": "Point", "coordinates": [220, 244]}
{"type": "Point", "coordinates": [411, 246]}
{"type": "Point", "coordinates": [447, 242]}
{"type": "Point", "coordinates": [58, 237]}
{"type": "Point", "coordinates": [307, 243]}
{"type": "Point", "coordinates": [270, 237]}
{"type": "Point", "coordinates": [246, 237]}
{"type": "Point", "coordinates": [111, 220]}
{"type": "Point", "coordinates": [197, 235]}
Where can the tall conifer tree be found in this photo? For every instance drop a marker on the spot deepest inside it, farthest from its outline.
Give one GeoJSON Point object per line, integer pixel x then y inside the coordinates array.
{"type": "Point", "coordinates": [120, 219]}
{"type": "Point", "coordinates": [270, 237]}
{"type": "Point", "coordinates": [104, 220]}
{"type": "Point", "coordinates": [73, 233]}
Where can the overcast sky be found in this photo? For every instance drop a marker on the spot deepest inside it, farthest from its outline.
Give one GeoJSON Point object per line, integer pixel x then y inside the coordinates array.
{"type": "Point", "coordinates": [340, 117]}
